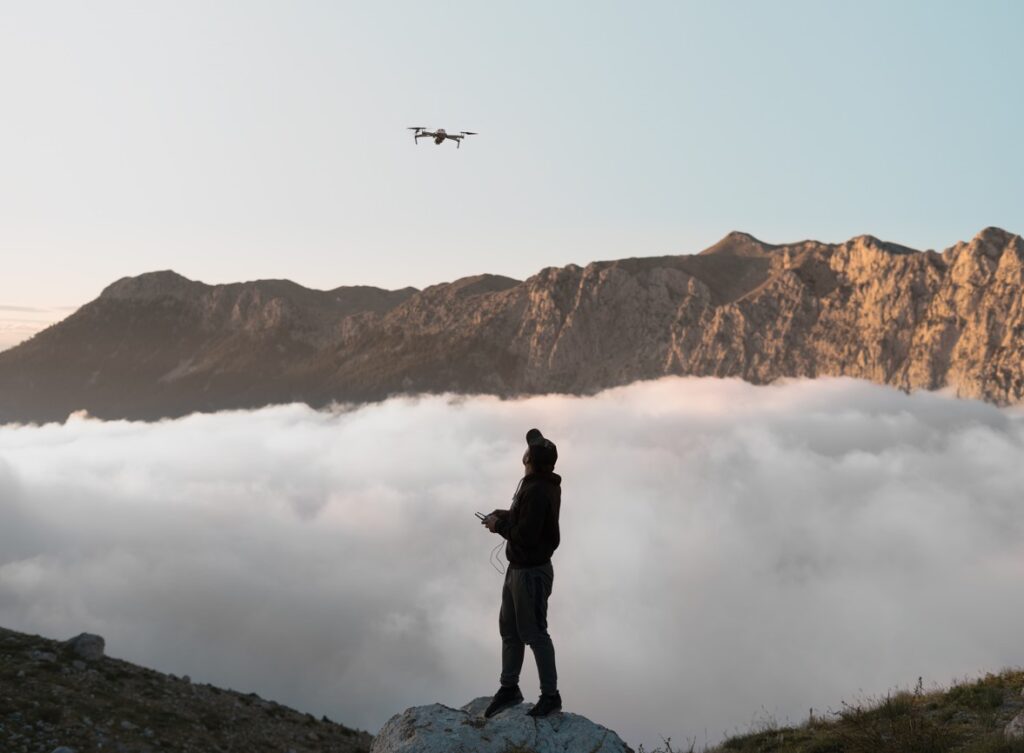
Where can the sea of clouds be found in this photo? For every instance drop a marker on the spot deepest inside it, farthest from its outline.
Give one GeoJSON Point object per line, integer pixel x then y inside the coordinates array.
{"type": "Point", "coordinates": [730, 553]}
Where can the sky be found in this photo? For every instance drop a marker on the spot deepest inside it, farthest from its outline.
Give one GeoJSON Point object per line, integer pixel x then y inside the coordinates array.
{"type": "Point", "coordinates": [731, 554]}
{"type": "Point", "coordinates": [243, 140]}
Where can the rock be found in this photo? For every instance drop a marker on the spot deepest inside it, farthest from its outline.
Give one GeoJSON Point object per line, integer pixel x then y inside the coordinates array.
{"type": "Point", "coordinates": [46, 656]}
{"type": "Point", "coordinates": [87, 646]}
{"type": "Point", "coordinates": [63, 749]}
{"type": "Point", "coordinates": [742, 308]}
{"type": "Point", "coordinates": [1015, 729]}
{"type": "Point", "coordinates": [441, 729]}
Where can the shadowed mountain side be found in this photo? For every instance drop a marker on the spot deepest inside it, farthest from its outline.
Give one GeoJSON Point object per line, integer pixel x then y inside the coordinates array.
{"type": "Point", "coordinates": [162, 345]}
{"type": "Point", "coordinates": [54, 697]}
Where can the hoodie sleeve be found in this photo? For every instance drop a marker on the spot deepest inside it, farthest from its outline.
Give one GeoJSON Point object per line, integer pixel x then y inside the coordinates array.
{"type": "Point", "coordinates": [529, 524]}
{"type": "Point", "coordinates": [502, 526]}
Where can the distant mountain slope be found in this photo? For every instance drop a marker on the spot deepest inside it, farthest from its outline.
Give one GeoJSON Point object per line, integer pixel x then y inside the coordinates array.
{"type": "Point", "coordinates": [53, 699]}
{"type": "Point", "coordinates": [161, 345]}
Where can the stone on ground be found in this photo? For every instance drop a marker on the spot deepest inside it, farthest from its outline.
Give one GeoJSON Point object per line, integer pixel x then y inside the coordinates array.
{"type": "Point", "coordinates": [87, 646]}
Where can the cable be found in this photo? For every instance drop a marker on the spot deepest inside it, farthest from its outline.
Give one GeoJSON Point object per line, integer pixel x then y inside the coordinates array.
{"type": "Point", "coordinates": [498, 559]}
{"type": "Point", "coordinates": [500, 567]}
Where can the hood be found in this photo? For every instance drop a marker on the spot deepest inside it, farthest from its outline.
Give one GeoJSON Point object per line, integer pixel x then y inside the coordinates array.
{"type": "Point", "coordinates": [550, 476]}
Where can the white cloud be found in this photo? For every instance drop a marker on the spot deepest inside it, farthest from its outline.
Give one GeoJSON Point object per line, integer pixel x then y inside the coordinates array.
{"type": "Point", "coordinates": [728, 550]}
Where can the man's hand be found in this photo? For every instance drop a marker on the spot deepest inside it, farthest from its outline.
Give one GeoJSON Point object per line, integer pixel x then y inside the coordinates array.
{"type": "Point", "coordinates": [490, 522]}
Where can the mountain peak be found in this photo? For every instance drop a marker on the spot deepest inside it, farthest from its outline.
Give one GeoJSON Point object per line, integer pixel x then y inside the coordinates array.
{"type": "Point", "coordinates": [994, 234]}
{"type": "Point", "coordinates": [485, 283]}
{"type": "Point", "coordinates": [739, 235]}
{"type": "Point", "coordinates": [887, 246]}
{"type": "Point", "coordinates": [738, 243]}
{"type": "Point", "coordinates": [150, 285]}
{"type": "Point", "coordinates": [465, 287]}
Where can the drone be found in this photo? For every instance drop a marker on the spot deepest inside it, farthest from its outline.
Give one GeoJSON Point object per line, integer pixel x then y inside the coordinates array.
{"type": "Point", "coordinates": [440, 135]}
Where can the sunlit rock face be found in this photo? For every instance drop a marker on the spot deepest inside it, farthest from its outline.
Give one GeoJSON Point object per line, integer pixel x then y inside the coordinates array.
{"type": "Point", "coordinates": [161, 345]}
{"type": "Point", "coordinates": [872, 310]}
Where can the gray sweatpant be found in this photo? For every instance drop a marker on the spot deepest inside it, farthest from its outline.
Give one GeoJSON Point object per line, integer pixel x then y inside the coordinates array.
{"type": "Point", "coordinates": [523, 620]}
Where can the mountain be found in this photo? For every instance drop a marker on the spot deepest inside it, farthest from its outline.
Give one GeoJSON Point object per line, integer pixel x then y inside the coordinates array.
{"type": "Point", "coordinates": [56, 697]}
{"type": "Point", "coordinates": [161, 345]}
{"type": "Point", "coordinates": [68, 695]}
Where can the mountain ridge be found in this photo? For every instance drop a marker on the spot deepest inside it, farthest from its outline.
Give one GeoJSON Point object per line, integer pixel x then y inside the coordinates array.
{"type": "Point", "coordinates": [159, 344]}
{"type": "Point", "coordinates": [54, 694]}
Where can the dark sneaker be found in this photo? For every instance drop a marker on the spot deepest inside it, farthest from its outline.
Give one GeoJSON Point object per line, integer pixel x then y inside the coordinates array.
{"type": "Point", "coordinates": [546, 705]}
{"type": "Point", "coordinates": [503, 699]}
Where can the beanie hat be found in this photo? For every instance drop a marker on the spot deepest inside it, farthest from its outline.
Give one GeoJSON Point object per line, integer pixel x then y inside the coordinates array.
{"type": "Point", "coordinates": [543, 452]}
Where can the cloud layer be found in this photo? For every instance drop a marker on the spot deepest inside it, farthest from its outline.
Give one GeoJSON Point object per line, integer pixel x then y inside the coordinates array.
{"type": "Point", "coordinates": [728, 551]}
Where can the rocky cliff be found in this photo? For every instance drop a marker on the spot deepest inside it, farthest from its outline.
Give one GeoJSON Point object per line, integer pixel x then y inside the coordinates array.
{"type": "Point", "coordinates": [161, 345]}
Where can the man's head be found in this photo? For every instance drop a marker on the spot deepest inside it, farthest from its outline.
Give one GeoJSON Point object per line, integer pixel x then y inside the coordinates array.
{"type": "Point", "coordinates": [541, 453]}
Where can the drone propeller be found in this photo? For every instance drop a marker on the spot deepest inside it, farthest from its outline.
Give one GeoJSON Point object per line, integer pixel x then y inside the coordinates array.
{"type": "Point", "coordinates": [468, 133]}
{"type": "Point", "coordinates": [415, 128]}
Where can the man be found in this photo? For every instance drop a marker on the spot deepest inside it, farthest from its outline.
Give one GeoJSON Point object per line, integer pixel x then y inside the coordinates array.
{"type": "Point", "coordinates": [531, 528]}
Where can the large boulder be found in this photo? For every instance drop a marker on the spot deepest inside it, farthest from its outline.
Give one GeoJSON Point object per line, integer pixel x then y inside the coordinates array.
{"type": "Point", "coordinates": [442, 729]}
{"type": "Point", "coordinates": [87, 646]}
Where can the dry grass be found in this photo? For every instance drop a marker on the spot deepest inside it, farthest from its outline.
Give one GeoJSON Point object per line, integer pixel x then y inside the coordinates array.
{"type": "Point", "coordinates": [968, 717]}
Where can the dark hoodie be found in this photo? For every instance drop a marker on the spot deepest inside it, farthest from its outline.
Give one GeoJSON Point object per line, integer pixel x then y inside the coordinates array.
{"type": "Point", "coordinates": [531, 524]}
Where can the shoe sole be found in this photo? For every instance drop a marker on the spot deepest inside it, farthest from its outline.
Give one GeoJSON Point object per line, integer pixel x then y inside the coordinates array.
{"type": "Point", "coordinates": [501, 708]}
{"type": "Point", "coordinates": [541, 716]}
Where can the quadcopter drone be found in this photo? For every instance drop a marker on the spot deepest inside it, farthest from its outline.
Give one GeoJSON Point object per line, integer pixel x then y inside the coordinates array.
{"type": "Point", "coordinates": [440, 135]}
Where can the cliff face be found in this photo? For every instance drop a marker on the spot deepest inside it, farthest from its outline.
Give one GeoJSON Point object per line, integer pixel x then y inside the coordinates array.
{"type": "Point", "coordinates": [161, 345]}
{"type": "Point", "coordinates": [873, 311]}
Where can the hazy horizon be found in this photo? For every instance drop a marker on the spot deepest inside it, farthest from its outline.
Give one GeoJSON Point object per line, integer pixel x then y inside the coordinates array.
{"type": "Point", "coordinates": [728, 550]}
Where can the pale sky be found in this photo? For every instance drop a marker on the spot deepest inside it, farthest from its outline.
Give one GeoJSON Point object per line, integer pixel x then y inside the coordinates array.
{"type": "Point", "coordinates": [235, 141]}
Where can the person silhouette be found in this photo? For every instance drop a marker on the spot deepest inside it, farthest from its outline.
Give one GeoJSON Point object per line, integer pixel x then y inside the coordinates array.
{"type": "Point", "coordinates": [530, 527]}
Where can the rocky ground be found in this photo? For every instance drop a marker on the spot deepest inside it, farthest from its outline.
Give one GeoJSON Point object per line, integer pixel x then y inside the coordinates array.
{"type": "Point", "coordinates": [52, 696]}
